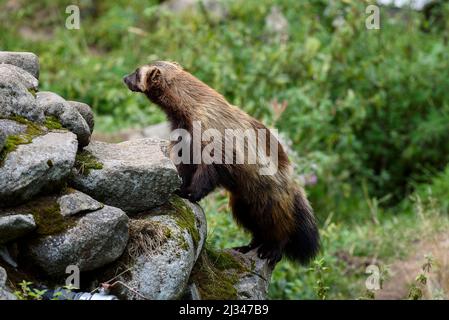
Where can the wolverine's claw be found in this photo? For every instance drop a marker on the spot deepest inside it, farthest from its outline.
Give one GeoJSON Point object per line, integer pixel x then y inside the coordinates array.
{"type": "Point", "coordinates": [272, 253]}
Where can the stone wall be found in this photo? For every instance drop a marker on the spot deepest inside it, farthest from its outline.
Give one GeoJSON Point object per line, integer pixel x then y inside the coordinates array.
{"type": "Point", "coordinates": [107, 208]}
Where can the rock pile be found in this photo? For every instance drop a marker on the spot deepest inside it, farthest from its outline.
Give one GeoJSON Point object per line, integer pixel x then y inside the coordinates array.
{"type": "Point", "coordinates": [108, 209]}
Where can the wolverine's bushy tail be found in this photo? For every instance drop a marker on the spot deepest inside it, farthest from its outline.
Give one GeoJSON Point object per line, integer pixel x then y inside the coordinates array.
{"type": "Point", "coordinates": [304, 243]}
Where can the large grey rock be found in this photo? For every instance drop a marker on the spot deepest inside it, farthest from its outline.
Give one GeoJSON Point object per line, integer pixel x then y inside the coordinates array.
{"type": "Point", "coordinates": [86, 113]}
{"type": "Point", "coordinates": [2, 139]}
{"type": "Point", "coordinates": [15, 96]}
{"type": "Point", "coordinates": [77, 202]}
{"type": "Point", "coordinates": [70, 118]}
{"type": "Point", "coordinates": [8, 128]}
{"type": "Point", "coordinates": [5, 294]}
{"type": "Point", "coordinates": [9, 71]}
{"type": "Point", "coordinates": [161, 130]}
{"type": "Point", "coordinates": [11, 127]}
{"type": "Point", "coordinates": [31, 167]}
{"type": "Point", "coordinates": [253, 284]}
{"type": "Point", "coordinates": [26, 60]}
{"type": "Point", "coordinates": [15, 226]}
{"type": "Point", "coordinates": [136, 175]}
{"type": "Point", "coordinates": [97, 239]}
{"type": "Point", "coordinates": [164, 272]}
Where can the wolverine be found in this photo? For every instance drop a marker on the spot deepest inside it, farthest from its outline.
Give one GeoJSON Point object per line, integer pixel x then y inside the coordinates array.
{"type": "Point", "coordinates": [273, 207]}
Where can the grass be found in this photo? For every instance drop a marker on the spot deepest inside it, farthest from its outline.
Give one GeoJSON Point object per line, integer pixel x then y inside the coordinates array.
{"type": "Point", "coordinates": [347, 248]}
{"type": "Point", "coordinates": [146, 237]}
{"type": "Point", "coordinates": [85, 162]}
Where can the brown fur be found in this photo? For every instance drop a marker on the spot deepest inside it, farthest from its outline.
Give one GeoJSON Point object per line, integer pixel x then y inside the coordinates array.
{"type": "Point", "coordinates": [272, 207]}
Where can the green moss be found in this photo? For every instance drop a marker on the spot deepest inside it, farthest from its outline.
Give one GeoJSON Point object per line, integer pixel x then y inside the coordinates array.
{"type": "Point", "coordinates": [13, 141]}
{"type": "Point", "coordinates": [185, 218]}
{"type": "Point", "coordinates": [52, 123]}
{"type": "Point", "coordinates": [216, 273]}
{"type": "Point", "coordinates": [32, 91]}
{"type": "Point", "coordinates": [224, 260]}
{"type": "Point", "coordinates": [183, 243]}
{"type": "Point", "coordinates": [49, 220]}
{"type": "Point", "coordinates": [167, 233]}
{"type": "Point", "coordinates": [85, 162]}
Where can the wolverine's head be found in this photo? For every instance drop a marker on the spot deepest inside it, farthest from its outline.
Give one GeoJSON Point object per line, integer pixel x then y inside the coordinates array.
{"type": "Point", "coordinates": [152, 78]}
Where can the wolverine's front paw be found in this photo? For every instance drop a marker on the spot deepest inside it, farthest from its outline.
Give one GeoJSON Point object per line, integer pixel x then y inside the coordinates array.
{"type": "Point", "coordinates": [270, 252]}
{"type": "Point", "coordinates": [245, 249]}
{"type": "Point", "coordinates": [182, 193]}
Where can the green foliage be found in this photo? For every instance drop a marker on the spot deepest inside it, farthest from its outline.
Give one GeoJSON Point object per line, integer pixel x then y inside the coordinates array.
{"type": "Point", "coordinates": [367, 105]}
{"type": "Point", "coordinates": [28, 293]}
{"type": "Point", "coordinates": [416, 288]}
{"type": "Point", "coordinates": [318, 268]}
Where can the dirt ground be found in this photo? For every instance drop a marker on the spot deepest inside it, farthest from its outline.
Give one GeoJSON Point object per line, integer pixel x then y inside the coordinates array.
{"type": "Point", "coordinates": [404, 272]}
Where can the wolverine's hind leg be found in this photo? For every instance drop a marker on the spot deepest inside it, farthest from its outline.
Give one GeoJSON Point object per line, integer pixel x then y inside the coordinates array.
{"type": "Point", "coordinates": [275, 230]}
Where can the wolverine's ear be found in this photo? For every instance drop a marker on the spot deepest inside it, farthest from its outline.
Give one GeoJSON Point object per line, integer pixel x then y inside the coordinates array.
{"type": "Point", "coordinates": [154, 74]}
{"type": "Point", "coordinates": [149, 76]}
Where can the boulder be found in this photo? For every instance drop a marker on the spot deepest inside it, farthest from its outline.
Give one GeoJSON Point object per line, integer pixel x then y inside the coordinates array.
{"type": "Point", "coordinates": [161, 264]}
{"type": "Point", "coordinates": [133, 175]}
{"type": "Point", "coordinates": [5, 294]}
{"type": "Point", "coordinates": [9, 128]}
{"type": "Point", "coordinates": [253, 285]}
{"type": "Point", "coordinates": [32, 167]}
{"type": "Point", "coordinates": [67, 115]}
{"type": "Point", "coordinates": [2, 139]}
{"type": "Point", "coordinates": [86, 113]}
{"type": "Point", "coordinates": [8, 71]}
{"type": "Point", "coordinates": [26, 60]}
{"type": "Point", "coordinates": [76, 202]}
{"type": "Point", "coordinates": [95, 240]}
{"type": "Point", "coordinates": [17, 94]}
{"type": "Point", "coordinates": [15, 226]}
{"type": "Point", "coordinates": [161, 130]}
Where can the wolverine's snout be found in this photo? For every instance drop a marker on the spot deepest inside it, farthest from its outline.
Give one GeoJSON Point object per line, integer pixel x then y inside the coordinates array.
{"type": "Point", "coordinates": [131, 81]}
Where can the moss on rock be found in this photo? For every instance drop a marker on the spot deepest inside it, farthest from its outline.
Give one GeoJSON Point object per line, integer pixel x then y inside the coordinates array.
{"type": "Point", "coordinates": [13, 141]}
{"type": "Point", "coordinates": [49, 219]}
{"type": "Point", "coordinates": [185, 218]}
{"type": "Point", "coordinates": [46, 213]}
{"type": "Point", "coordinates": [32, 91]}
{"type": "Point", "coordinates": [86, 161]}
{"type": "Point", "coordinates": [52, 123]}
{"type": "Point", "coordinates": [33, 130]}
{"type": "Point", "coordinates": [216, 273]}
